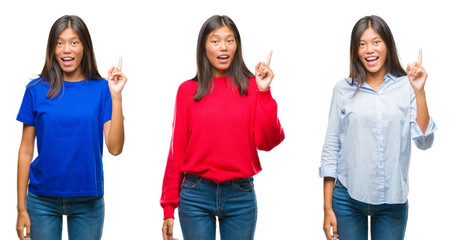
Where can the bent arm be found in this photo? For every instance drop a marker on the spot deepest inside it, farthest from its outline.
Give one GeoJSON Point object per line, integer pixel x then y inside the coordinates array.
{"type": "Point", "coordinates": [422, 125]}
{"type": "Point", "coordinates": [268, 132]}
{"type": "Point", "coordinates": [114, 129]}
{"type": "Point", "coordinates": [422, 115]}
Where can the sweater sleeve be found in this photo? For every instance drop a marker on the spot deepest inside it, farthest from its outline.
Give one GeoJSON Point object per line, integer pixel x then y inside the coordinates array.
{"type": "Point", "coordinates": [173, 176]}
{"type": "Point", "coordinates": [268, 132]}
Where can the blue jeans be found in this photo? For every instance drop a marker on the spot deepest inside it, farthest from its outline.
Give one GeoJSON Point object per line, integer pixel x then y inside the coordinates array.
{"type": "Point", "coordinates": [388, 221]}
{"type": "Point", "coordinates": [233, 202]}
{"type": "Point", "coordinates": [85, 217]}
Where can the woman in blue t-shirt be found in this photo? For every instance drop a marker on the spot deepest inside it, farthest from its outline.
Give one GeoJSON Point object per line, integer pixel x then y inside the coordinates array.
{"type": "Point", "coordinates": [67, 109]}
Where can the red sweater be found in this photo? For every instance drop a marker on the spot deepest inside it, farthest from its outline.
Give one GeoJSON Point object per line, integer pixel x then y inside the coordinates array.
{"type": "Point", "coordinates": [217, 137]}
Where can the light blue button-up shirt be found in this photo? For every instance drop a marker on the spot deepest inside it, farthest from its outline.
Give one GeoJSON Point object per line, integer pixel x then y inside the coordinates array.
{"type": "Point", "coordinates": [368, 141]}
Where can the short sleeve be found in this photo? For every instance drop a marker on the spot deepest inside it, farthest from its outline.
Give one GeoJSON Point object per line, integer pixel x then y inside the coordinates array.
{"type": "Point", "coordinates": [26, 113]}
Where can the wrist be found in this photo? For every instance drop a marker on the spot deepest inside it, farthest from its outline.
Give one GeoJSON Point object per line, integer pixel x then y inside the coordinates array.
{"type": "Point", "coordinates": [116, 96]}
{"type": "Point", "coordinates": [420, 92]}
{"type": "Point", "coordinates": [21, 208]}
{"type": "Point", "coordinates": [263, 89]}
{"type": "Point", "coordinates": [327, 208]}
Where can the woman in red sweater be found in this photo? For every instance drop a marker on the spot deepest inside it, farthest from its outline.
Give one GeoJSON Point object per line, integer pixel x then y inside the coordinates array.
{"type": "Point", "coordinates": [222, 116]}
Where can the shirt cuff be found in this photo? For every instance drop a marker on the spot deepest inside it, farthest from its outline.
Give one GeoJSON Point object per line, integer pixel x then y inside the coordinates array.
{"type": "Point", "coordinates": [417, 132]}
{"type": "Point", "coordinates": [169, 212]}
{"type": "Point", "coordinates": [324, 172]}
{"type": "Point", "coordinates": [266, 92]}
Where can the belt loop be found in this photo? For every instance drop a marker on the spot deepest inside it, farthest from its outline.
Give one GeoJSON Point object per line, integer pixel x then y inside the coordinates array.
{"type": "Point", "coordinates": [235, 181]}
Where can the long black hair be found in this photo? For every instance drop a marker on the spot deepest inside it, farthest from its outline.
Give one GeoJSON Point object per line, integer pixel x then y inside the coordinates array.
{"type": "Point", "coordinates": [237, 70]}
{"type": "Point", "coordinates": [358, 72]}
{"type": "Point", "coordinates": [52, 71]}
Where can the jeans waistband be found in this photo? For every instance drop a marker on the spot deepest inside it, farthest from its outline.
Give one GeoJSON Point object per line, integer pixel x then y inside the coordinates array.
{"type": "Point", "coordinates": [339, 184]}
{"type": "Point", "coordinates": [228, 182]}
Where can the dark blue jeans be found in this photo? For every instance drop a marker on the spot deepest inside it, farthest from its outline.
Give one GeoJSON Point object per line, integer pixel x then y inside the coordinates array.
{"type": "Point", "coordinates": [233, 202]}
{"type": "Point", "coordinates": [388, 221]}
{"type": "Point", "coordinates": [85, 217]}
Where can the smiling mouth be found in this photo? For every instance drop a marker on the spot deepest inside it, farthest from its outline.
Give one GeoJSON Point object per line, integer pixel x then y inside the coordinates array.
{"type": "Point", "coordinates": [67, 60]}
{"type": "Point", "coordinates": [370, 59]}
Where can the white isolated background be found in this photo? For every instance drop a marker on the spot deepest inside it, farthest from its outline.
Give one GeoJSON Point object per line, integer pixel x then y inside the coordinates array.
{"type": "Point", "coordinates": [157, 40]}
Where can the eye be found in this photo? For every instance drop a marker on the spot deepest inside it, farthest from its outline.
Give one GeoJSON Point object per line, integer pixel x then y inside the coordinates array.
{"type": "Point", "coordinates": [74, 43]}
{"type": "Point", "coordinates": [214, 41]}
{"type": "Point", "coordinates": [230, 41]}
{"type": "Point", "coordinates": [59, 44]}
{"type": "Point", "coordinates": [376, 42]}
{"type": "Point", "coordinates": [362, 44]}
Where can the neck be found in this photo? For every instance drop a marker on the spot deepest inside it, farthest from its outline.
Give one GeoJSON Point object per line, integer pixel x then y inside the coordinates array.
{"type": "Point", "coordinates": [75, 76]}
{"type": "Point", "coordinates": [376, 77]}
{"type": "Point", "coordinates": [375, 80]}
{"type": "Point", "coordinates": [217, 73]}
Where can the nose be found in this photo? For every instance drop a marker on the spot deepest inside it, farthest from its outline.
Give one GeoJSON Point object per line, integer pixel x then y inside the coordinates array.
{"type": "Point", "coordinates": [67, 48]}
{"type": "Point", "coordinates": [370, 48]}
{"type": "Point", "coordinates": [223, 46]}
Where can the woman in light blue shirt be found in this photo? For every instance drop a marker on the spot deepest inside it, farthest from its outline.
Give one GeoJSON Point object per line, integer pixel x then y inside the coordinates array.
{"type": "Point", "coordinates": [374, 115]}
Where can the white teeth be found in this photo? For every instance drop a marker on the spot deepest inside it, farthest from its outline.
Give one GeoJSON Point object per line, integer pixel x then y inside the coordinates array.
{"type": "Point", "coordinates": [66, 59]}
{"type": "Point", "coordinates": [371, 58]}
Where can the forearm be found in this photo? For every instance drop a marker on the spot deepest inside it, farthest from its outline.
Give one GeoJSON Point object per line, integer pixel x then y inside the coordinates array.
{"type": "Point", "coordinates": [23, 169]}
{"type": "Point", "coordinates": [328, 186]}
{"type": "Point", "coordinates": [116, 134]}
{"type": "Point", "coordinates": [422, 115]}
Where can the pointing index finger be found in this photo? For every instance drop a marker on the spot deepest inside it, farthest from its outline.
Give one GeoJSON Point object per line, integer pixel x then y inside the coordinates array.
{"type": "Point", "coordinates": [120, 63]}
{"type": "Point", "coordinates": [268, 59]}
{"type": "Point", "coordinates": [420, 56]}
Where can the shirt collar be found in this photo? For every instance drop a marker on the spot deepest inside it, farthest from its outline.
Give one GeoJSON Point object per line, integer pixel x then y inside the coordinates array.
{"type": "Point", "coordinates": [390, 76]}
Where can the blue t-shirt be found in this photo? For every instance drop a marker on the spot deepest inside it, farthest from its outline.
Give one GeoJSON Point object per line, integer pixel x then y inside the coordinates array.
{"type": "Point", "coordinates": [69, 133]}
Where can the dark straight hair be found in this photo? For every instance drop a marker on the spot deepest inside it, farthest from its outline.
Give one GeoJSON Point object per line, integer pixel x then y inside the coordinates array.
{"type": "Point", "coordinates": [238, 71]}
{"type": "Point", "coordinates": [52, 71]}
{"type": "Point", "coordinates": [357, 70]}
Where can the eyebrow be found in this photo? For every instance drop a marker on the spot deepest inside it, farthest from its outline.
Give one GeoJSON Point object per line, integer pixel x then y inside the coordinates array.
{"type": "Point", "coordinates": [212, 36]}
{"type": "Point", "coordinates": [75, 37]}
{"type": "Point", "coordinates": [375, 38]}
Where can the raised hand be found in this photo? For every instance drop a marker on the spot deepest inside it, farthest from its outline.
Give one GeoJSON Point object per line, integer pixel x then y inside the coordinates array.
{"type": "Point", "coordinates": [116, 79]}
{"type": "Point", "coordinates": [263, 74]}
{"type": "Point", "coordinates": [417, 74]}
